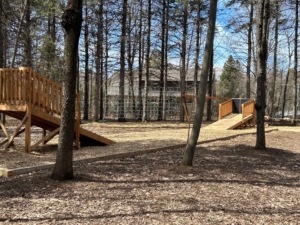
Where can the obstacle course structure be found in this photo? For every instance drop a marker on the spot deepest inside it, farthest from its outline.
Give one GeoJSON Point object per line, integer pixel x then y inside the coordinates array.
{"type": "Point", "coordinates": [37, 101]}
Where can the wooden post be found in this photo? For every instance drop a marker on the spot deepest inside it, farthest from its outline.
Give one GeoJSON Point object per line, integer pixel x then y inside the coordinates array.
{"type": "Point", "coordinates": [43, 135]}
{"type": "Point", "coordinates": [28, 121]}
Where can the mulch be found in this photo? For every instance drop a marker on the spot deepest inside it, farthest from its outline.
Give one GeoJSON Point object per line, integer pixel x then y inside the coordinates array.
{"type": "Point", "coordinates": [230, 183]}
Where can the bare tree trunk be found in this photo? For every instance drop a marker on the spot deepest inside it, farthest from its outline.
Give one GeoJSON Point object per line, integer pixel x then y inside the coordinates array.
{"type": "Point", "coordinates": [121, 113]}
{"type": "Point", "coordinates": [164, 116]}
{"type": "Point", "coordinates": [27, 62]}
{"type": "Point", "coordinates": [106, 59]}
{"type": "Point", "coordinates": [248, 92]}
{"type": "Point", "coordinates": [295, 109]}
{"type": "Point", "coordinates": [71, 22]}
{"type": "Point", "coordinates": [262, 54]}
{"type": "Point", "coordinates": [162, 62]}
{"type": "Point", "coordinates": [287, 77]}
{"type": "Point", "coordinates": [140, 99]}
{"type": "Point", "coordinates": [198, 32]}
{"type": "Point", "coordinates": [1, 36]}
{"type": "Point", "coordinates": [192, 142]}
{"type": "Point", "coordinates": [210, 86]}
{"type": "Point", "coordinates": [98, 66]}
{"type": "Point", "coordinates": [86, 76]}
{"type": "Point", "coordinates": [145, 99]}
{"type": "Point", "coordinates": [101, 58]}
{"type": "Point", "coordinates": [12, 61]}
{"type": "Point", "coordinates": [183, 59]}
{"type": "Point", "coordinates": [271, 114]}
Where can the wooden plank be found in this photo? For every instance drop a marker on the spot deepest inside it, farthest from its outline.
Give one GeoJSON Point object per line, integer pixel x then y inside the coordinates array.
{"type": "Point", "coordinates": [22, 108]}
{"type": "Point", "coordinates": [16, 131]}
{"type": "Point", "coordinates": [52, 96]}
{"type": "Point", "coordinates": [96, 137]}
{"type": "Point", "coordinates": [46, 138]}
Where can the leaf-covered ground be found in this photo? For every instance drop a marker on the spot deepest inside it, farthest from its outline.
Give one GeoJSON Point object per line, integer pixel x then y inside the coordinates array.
{"type": "Point", "coordinates": [230, 183]}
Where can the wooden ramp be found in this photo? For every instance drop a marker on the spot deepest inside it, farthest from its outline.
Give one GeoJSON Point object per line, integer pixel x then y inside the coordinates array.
{"type": "Point", "coordinates": [229, 122]}
{"type": "Point", "coordinates": [37, 101]}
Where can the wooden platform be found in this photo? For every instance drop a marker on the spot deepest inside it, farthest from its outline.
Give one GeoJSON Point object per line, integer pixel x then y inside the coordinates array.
{"type": "Point", "coordinates": [230, 122]}
{"type": "Point", "coordinates": [37, 101]}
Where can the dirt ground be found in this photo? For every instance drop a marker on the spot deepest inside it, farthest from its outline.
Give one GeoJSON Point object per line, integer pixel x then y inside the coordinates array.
{"type": "Point", "coordinates": [230, 183]}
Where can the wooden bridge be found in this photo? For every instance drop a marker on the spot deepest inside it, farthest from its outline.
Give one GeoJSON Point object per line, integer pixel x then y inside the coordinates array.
{"type": "Point", "coordinates": [37, 101]}
{"type": "Point", "coordinates": [229, 120]}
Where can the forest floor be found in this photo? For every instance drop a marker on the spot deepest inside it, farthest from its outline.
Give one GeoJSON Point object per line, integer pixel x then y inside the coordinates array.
{"type": "Point", "coordinates": [230, 182]}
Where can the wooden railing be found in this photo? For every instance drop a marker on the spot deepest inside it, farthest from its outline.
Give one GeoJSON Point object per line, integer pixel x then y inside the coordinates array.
{"type": "Point", "coordinates": [225, 108]}
{"type": "Point", "coordinates": [248, 109]}
{"type": "Point", "coordinates": [19, 86]}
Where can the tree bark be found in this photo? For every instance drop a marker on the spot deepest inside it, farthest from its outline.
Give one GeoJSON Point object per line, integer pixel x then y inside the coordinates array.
{"type": "Point", "coordinates": [192, 142]}
{"type": "Point", "coordinates": [140, 109]}
{"type": "Point", "coordinates": [295, 108]}
{"type": "Point", "coordinates": [210, 86]}
{"type": "Point", "coordinates": [272, 94]}
{"type": "Point", "coordinates": [12, 61]}
{"type": "Point", "coordinates": [98, 67]}
{"type": "Point", "coordinates": [71, 22]}
{"type": "Point", "coordinates": [27, 62]}
{"type": "Point", "coordinates": [248, 88]}
{"type": "Point", "coordinates": [121, 113]}
{"type": "Point", "coordinates": [145, 99]}
{"type": "Point", "coordinates": [162, 62]}
{"type": "Point", "coordinates": [183, 59]}
{"type": "Point", "coordinates": [86, 75]}
{"type": "Point", "coordinates": [262, 54]}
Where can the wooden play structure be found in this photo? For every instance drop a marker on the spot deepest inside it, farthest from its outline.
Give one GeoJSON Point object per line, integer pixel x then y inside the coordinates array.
{"type": "Point", "coordinates": [37, 101]}
{"type": "Point", "coordinates": [233, 113]}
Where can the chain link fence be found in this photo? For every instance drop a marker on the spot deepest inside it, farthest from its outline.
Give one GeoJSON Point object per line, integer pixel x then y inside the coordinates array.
{"type": "Point", "coordinates": [156, 102]}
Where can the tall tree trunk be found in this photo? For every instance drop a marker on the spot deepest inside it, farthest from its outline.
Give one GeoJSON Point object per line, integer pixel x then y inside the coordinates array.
{"type": "Point", "coordinates": [272, 95]}
{"type": "Point", "coordinates": [140, 99]}
{"type": "Point", "coordinates": [121, 113]}
{"type": "Point", "coordinates": [198, 32]}
{"type": "Point", "coordinates": [263, 15]}
{"type": "Point", "coordinates": [101, 59]}
{"type": "Point", "coordinates": [210, 86]}
{"type": "Point", "coordinates": [192, 142]}
{"type": "Point", "coordinates": [162, 62]}
{"type": "Point", "coordinates": [12, 61]}
{"type": "Point", "coordinates": [27, 62]}
{"type": "Point", "coordinates": [286, 79]}
{"type": "Point", "coordinates": [98, 66]}
{"type": "Point", "coordinates": [164, 116]}
{"type": "Point", "coordinates": [71, 22]}
{"type": "Point", "coordinates": [86, 75]}
{"type": "Point", "coordinates": [1, 36]}
{"type": "Point", "coordinates": [295, 109]}
{"type": "Point", "coordinates": [248, 88]}
{"type": "Point", "coordinates": [145, 99]}
{"type": "Point", "coordinates": [183, 59]}
{"type": "Point", "coordinates": [106, 59]}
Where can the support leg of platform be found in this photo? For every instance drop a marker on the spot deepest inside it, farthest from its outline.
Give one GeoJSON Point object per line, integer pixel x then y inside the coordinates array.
{"type": "Point", "coordinates": [43, 136]}
{"type": "Point", "coordinates": [28, 129]}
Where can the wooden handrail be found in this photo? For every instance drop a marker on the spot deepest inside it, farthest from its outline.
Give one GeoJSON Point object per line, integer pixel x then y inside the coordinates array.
{"type": "Point", "coordinates": [225, 108]}
{"type": "Point", "coordinates": [19, 86]}
{"type": "Point", "coordinates": [248, 109]}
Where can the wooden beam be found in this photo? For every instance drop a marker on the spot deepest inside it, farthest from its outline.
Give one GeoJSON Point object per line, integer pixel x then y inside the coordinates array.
{"type": "Point", "coordinates": [4, 130]}
{"type": "Point", "coordinates": [6, 140]}
{"type": "Point", "coordinates": [47, 138]}
{"type": "Point", "coordinates": [10, 140]}
{"type": "Point", "coordinates": [28, 128]}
